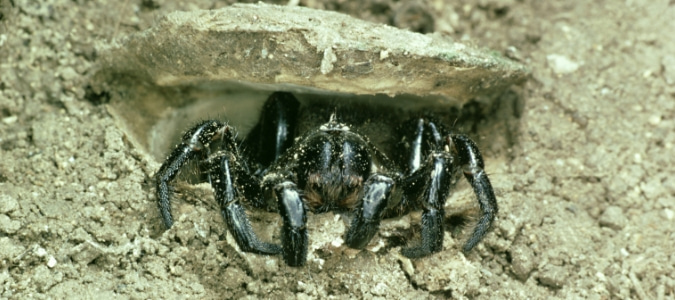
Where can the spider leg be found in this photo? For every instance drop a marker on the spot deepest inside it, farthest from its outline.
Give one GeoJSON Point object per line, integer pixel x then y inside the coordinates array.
{"type": "Point", "coordinates": [424, 139]}
{"type": "Point", "coordinates": [226, 170]}
{"type": "Point", "coordinates": [472, 166]}
{"type": "Point", "coordinates": [294, 239]}
{"type": "Point", "coordinates": [366, 222]}
{"type": "Point", "coordinates": [436, 178]}
{"type": "Point", "coordinates": [275, 130]}
{"type": "Point", "coordinates": [195, 141]}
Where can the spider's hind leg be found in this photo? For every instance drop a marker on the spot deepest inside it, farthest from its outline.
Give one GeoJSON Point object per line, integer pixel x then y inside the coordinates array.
{"type": "Point", "coordinates": [436, 179]}
{"type": "Point", "coordinates": [419, 138]}
{"type": "Point", "coordinates": [472, 166]}
{"type": "Point", "coordinates": [430, 174]}
{"type": "Point", "coordinates": [429, 183]}
{"type": "Point", "coordinates": [275, 130]}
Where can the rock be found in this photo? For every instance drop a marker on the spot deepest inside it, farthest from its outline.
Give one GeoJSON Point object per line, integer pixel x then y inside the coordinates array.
{"type": "Point", "coordinates": [553, 276]}
{"type": "Point", "coordinates": [613, 217]}
{"type": "Point", "coordinates": [561, 64]}
{"type": "Point", "coordinates": [8, 204]}
{"type": "Point", "coordinates": [258, 48]}
{"type": "Point", "coordinates": [523, 261]}
{"type": "Point", "coordinates": [9, 226]}
{"type": "Point", "coordinates": [270, 44]}
{"type": "Point", "coordinates": [668, 63]}
{"type": "Point", "coordinates": [86, 252]}
{"type": "Point", "coordinates": [9, 250]}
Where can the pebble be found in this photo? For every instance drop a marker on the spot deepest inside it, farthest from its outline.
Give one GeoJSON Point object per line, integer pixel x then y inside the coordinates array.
{"type": "Point", "coordinates": [51, 262]}
{"type": "Point", "coordinates": [613, 217]}
{"type": "Point", "coordinates": [561, 64]}
{"type": "Point", "coordinates": [9, 226]}
{"type": "Point", "coordinates": [523, 261]}
{"type": "Point", "coordinates": [668, 63]}
{"type": "Point", "coordinates": [8, 204]}
{"type": "Point", "coordinates": [553, 276]}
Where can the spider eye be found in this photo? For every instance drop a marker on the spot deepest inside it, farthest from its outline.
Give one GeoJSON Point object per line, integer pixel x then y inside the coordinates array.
{"type": "Point", "coordinates": [334, 127]}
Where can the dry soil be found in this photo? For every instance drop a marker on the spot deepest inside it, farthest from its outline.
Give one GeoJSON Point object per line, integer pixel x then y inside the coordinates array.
{"type": "Point", "coordinates": [584, 178]}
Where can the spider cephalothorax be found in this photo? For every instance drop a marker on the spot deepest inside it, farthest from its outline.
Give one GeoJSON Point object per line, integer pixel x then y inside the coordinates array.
{"type": "Point", "coordinates": [329, 168]}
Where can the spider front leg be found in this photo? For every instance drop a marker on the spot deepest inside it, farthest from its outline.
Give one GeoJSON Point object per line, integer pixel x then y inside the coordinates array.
{"type": "Point", "coordinates": [227, 174]}
{"type": "Point", "coordinates": [294, 238]}
{"type": "Point", "coordinates": [366, 222]}
{"type": "Point", "coordinates": [471, 162]}
{"type": "Point", "coordinates": [195, 143]}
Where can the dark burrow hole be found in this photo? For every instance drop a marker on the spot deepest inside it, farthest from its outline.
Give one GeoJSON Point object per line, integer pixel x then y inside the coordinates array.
{"type": "Point", "coordinates": [96, 98]}
{"type": "Point", "coordinates": [456, 223]}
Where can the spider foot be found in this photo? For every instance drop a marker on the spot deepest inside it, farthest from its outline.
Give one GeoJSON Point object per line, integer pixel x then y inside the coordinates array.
{"type": "Point", "coordinates": [432, 236]}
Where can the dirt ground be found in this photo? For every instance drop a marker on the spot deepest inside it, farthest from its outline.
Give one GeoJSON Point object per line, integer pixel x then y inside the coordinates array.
{"type": "Point", "coordinates": [584, 176]}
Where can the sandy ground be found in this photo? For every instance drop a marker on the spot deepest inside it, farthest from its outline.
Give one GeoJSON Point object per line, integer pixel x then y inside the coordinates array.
{"type": "Point", "coordinates": [584, 176]}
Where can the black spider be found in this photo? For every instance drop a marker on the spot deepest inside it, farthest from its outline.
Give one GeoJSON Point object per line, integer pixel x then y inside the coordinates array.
{"type": "Point", "coordinates": [329, 168]}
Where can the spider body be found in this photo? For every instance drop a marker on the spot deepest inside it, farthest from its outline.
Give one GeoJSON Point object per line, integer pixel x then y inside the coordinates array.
{"type": "Point", "coordinates": [329, 168]}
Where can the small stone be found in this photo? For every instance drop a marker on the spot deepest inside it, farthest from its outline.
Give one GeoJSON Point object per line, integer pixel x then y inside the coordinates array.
{"type": "Point", "coordinates": [51, 262]}
{"type": "Point", "coordinates": [508, 229]}
{"type": "Point", "coordinates": [40, 252]}
{"type": "Point", "coordinates": [457, 274]}
{"type": "Point", "coordinates": [652, 188]}
{"type": "Point", "coordinates": [613, 217]}
{"type": "Point", "coordinates": [302, 296]}
{"type": "Point", "coordinates": [327, 62]}
{"type": "Point", "coordinates": [380, 289]}
{"type": "Point", "coordinates": [655, 120]}
{"type": "Point", "coordinates": [406, 265]}
{"type": "Point", "coordinates": [80, 235]}
{"type": "Point", "coordinates": [523, 261]}
{"type": "Point", "coordinates": [8, 204]}
{"type": "Point", "coordinates": [69, 74]}
{"type": "Point", "coordinates": [86, 252]}
{"type": "Point", "coordinates": [7, 225]}
{"type": "Point", "coordinates": [668, 63]}
{"type": "Point", "coordinates": [10, 120]}
{"type": "Point", "coordinates": [41, 278]}
{"type": "Point", "coordinates": [9, 250]}
{"type": "Point", "coordinates": [553, 276]}
{"type": "Point", "coordinates": [561, 64]}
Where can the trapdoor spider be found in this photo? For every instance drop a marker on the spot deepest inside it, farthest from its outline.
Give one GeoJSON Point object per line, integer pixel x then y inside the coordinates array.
{"type": "Point", "coordinates": [329, 168]}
